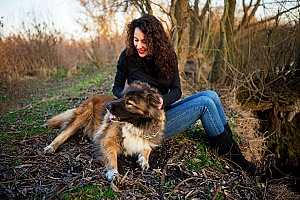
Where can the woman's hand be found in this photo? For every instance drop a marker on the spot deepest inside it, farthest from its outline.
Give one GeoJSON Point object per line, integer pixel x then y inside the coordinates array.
{"type": "Point", "coordinates": [161, 103]}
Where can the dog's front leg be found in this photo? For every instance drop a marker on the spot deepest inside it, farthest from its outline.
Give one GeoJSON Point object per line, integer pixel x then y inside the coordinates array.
{"type": "Point", "coordinates": [112, 171]}
{"type": "Point", "coordinates": [143, 159]}
{"type": "Point", "coordinates": [110, 159]}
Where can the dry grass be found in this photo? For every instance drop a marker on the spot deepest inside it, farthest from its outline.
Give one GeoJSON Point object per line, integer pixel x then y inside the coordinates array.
{"type": "Point", "coordinates": [32, 53]}
{"type": "Point", "coordinates": [38, 53]}
{"type": "Point", "coordinates": [245, 125]}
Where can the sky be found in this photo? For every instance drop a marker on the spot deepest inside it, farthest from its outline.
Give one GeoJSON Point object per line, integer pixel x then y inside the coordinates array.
{"type": "Point", "coordinates": [62, 13]}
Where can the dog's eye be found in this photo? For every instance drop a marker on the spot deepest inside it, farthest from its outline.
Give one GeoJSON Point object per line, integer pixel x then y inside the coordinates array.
{"type": "Point", "coordinates": [129, 102]}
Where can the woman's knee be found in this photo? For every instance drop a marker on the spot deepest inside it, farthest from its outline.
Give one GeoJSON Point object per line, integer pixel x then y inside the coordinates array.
{"type": "Point", "coordinates": [206, 100]}
{"type": "Point", "coordinates": [212, 94]}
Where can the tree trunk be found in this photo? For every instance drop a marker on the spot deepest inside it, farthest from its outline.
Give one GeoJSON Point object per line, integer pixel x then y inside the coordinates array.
{"type": "Point", "coordinates": [220, 56]}
{"type": "Point", "coordinates": [199, 37]}
{"type": "Point", "coordinates": [180, 34]}
{"type": "Point", "coordinates": [225, 45]}
{"type": "Point", "coordinates": [229, 24]}
{"type": "Point", "coordinates": [197, 26]}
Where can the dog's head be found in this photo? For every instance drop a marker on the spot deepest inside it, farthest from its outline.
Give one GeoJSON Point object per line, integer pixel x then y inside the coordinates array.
{"type": "Point", "coordinates": [139, 103]}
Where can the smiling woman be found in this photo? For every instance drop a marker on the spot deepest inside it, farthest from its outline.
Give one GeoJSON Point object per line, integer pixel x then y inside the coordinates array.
{"type": "Point", "coordinates": [140, 42]}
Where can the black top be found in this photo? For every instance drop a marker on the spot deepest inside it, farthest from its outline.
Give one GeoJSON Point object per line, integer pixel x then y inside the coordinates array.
{"type": "Point", "coordinates": [128, 71]}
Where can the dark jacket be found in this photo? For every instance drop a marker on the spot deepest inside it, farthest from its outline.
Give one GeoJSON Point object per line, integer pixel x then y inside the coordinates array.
{"type": "Point", "coordinates": [128, 71]}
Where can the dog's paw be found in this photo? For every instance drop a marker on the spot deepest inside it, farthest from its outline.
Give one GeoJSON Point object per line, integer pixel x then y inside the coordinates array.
{"type": "Point", "coordinates": [143, 162]}
{"type": "Point", "coordinates": [110, 174]}
{"type": "Point", "coordinates": [49, 149]}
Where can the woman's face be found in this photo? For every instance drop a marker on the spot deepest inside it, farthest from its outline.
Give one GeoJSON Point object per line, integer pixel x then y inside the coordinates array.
{"type": "Point", "coordinates": [140, 42]}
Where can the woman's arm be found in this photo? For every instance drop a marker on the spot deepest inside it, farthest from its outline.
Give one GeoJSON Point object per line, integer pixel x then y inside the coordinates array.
{"type": "Point", "coordinates": [175, 90]}
{"type": "Point", "coordinates": [120, 77]}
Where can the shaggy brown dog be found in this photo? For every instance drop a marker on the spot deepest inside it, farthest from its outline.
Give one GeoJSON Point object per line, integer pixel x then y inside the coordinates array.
{"type": "Point", "coordinates": [134, 124]}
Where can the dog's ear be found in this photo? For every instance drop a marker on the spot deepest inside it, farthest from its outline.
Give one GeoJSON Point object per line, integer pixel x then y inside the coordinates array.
{"type": "Point", "coordinates": [155, 99]}
{"type": "Point", "coordinates": [129, 88]}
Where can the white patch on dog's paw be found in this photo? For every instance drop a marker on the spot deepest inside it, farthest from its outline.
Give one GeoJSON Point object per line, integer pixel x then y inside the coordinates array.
{"type": "Point", "coordinates": [49, 149]}
{"type": "Point", "coordinates": [143, 162]}
{"type": "Point", "coordinates": [110, 174]}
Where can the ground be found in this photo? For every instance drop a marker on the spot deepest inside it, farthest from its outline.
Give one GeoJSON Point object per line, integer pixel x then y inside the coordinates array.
{"type": "Point", "coordinates": [183, 167]}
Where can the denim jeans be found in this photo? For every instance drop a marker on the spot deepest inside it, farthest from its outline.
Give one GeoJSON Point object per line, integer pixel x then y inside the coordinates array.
{"type": "Point", "coordinates": [205, 105]}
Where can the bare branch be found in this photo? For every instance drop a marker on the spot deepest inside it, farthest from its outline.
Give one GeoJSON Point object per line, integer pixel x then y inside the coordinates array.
{"type": "Point", "coordinates": [274, 17]}
{"type": "Point", "coordinates": [247, 17]}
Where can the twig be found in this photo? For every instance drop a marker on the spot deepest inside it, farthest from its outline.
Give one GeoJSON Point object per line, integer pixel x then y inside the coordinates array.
{"type": "Point", "coordinates": [217, 192]}
{"type": "Point", "coordinates": [124, 178]}
{"type": "Point", "coordinates": [231, 181]}
{"type": "Point", "coordinates": [243, 187]}
{"type": "Point", "coordinates": [62, 189]}
{"type": "Point", "coordinates": [265, 190]}
{"type": "Point", "coordinates": [204, 174]}
{"type": "Point", "coordinates": [163, 177]}
{"type": "Point", "coordinates": [181, 183]}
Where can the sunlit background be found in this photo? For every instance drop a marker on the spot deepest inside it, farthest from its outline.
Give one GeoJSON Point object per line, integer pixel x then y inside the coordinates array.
{"type": "Point", "coordinates": [62, 14]}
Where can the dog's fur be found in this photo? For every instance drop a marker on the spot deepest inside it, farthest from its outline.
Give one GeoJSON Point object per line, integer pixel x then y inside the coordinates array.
{"type": "Point", "coordinates": [87, 117]}
{"type": "Point", "coordinates": [134, 124]}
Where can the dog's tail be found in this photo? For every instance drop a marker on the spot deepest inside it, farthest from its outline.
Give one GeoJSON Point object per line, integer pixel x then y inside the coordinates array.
{"type": "Point", "coordinates": [61, 119]}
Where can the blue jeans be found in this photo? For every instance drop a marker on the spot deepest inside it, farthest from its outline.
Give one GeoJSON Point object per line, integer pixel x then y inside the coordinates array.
{"type": "Point", "coordinates": [205, 105]}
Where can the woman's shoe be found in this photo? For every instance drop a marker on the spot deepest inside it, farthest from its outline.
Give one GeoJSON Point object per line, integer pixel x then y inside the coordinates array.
{"type": "Point", "coordinates": [226, 147]}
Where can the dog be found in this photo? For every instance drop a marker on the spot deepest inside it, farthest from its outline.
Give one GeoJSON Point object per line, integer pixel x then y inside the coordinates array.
{"type": "Point", "coordinates": [131, 125]}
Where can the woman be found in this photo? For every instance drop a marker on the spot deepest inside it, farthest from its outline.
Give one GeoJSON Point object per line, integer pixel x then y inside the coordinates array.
{"type": "Point", "coordinates": [149, 57]}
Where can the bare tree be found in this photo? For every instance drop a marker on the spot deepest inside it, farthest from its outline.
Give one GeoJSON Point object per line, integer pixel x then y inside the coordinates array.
{"type": "Point", "coordinates": [103, 15]}
{"type": "Point", "coordinates": [143, 6]}
{"type": "Point", "coordinates": [226, 35]}
{"type": "Point", "coordinates": [200, 37]}
{"type": "Point", "coordinates": [226, 52]}
{"type": "Point", "coordinates": [180, 18]}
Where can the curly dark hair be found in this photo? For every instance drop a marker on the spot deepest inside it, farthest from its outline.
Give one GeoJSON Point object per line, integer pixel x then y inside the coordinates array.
{"type": "Point", "coordinates": [159, 45]}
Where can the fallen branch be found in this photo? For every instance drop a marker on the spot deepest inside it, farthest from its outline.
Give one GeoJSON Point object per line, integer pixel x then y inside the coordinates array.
{"type": "Point", "coordinates": [181, 183]}
{"type": "Point", "coordinates": [217, 192]}
{"type": "Point", "coordinates": [62, 189]}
